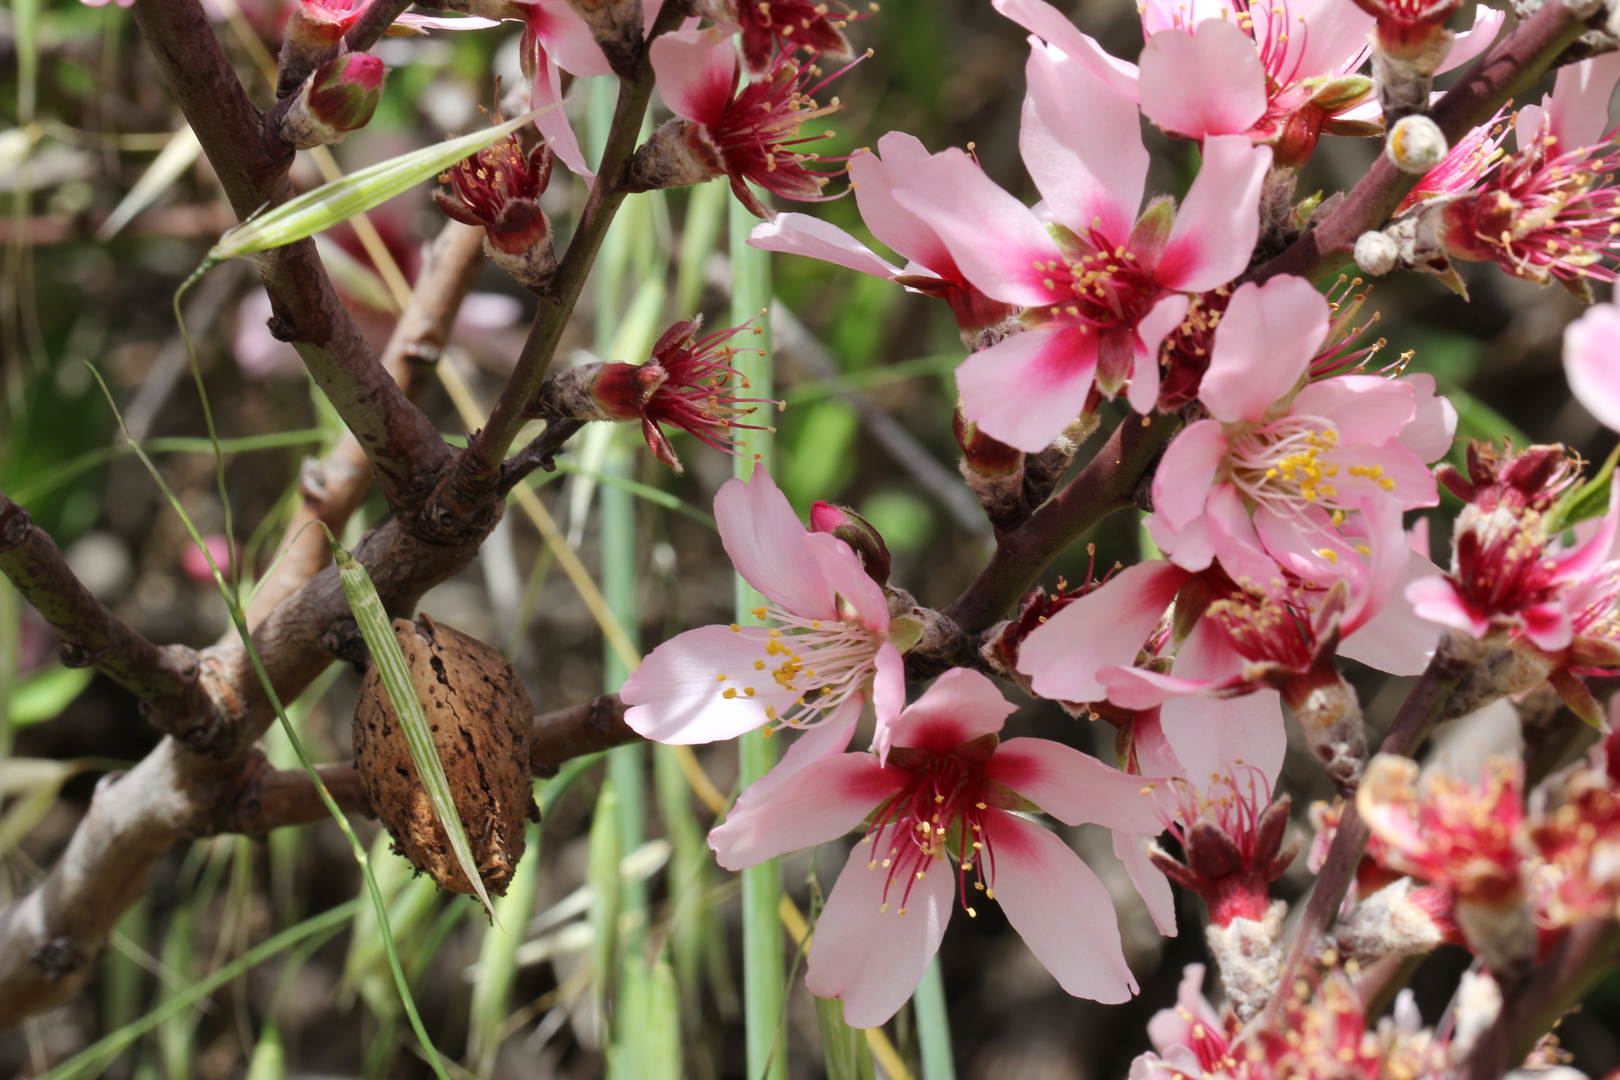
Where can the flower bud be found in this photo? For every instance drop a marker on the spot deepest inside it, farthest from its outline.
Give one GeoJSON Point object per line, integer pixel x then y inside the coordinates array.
{"type": "Point", "coordinates": [1400, 919]}
{"type": "Point", "coordinates": [1376, 254]}
{"type": "Point", "coordinates": [1249, 953]}
{"type": "Point", "coordinates": [993, 470]}
{"type": "Point", "coordinates": [1416, 144]}
{"type": "Point", "coordinates": [499, 188]}
{"type": "Point", "coordinates": [616, 26]}
{"type": "Point", "coordinates": [482, 725]}
{"type": "Point", "coordinates": [338, 98]}
{"type": "Point", "coordinates": [857, 532]}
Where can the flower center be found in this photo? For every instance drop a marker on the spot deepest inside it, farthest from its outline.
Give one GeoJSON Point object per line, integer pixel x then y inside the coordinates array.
{"type": "Point", "coordinates": [1101, 287]}
{"type": "Point", "coordinates": [940, 812]}
{"type": "Point", "coordinates": [1289, 464]}
{"type": "Point", "coordinates": [822, 661]}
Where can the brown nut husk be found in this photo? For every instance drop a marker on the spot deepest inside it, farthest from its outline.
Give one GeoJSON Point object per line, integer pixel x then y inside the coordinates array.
{"type": "Point", "coordinates": [482, 724]}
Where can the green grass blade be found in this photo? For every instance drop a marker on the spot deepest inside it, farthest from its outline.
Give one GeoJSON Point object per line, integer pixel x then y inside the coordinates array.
{"type": "Point", "coordinates": [378, 630]}
{"type": "Point", "coordinates": [602, 874]}
{"type": "Point", "coordinates": [763, 974]}
{"type": "Point", "coordinates": [844, 1052]}
{"type": "Point", "coordinates": [108, 1047]}
{"type": "Point", "coordinates": [497, 960]}
{"type": "Point", "coordinates": [239, 621]}
{"type": "Point", "coordinates": [705, 214]}
{"type": "Point", "coordinates": [934, 1025]}
{"type": "Point", "coordinates": [269, 1061]}
{"type": "Point", "coordinates": [356, 193]}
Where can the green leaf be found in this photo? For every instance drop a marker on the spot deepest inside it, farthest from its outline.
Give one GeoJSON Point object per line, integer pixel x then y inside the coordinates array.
{"type": "Point", "coordinates": [46, 692]}
{"type": "Point", "coordinates": [933, 1025]}
{"type": "Point", "coordinates": [1588, 501]}
{"type": "Point", "coordinates": [378, 630]}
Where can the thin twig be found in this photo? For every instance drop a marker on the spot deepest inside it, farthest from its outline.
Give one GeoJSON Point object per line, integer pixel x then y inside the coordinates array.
{"type": "Point", "coordinates": [165, 678]}
{"type": "Point", "coordinates": [1510, 67]}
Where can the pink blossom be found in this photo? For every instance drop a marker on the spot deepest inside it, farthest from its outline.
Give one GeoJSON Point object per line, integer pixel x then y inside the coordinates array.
{"type": "Point", "coordinates": [1101, 286]}
{"type": "Point", "coordinates": [1299, 457]}
{"type": "Point", "coordinates": [1281, 74]}
{"type": "Point", "coordinates": [827, 654]}
{"type": "Point", "coordinates": [748, 132]}
{"type": "Point", "coordinates": [1508, 575]}
{"type": "Point", "coordinates": [943, 798]}
{"type": "Point", "coordinates": [556, 39]}
{"type": "Point", "coordinates": [929, 267]}
{"type": "Point", "coordinates": [1544, 213]}
{"type": "Point", "coordinates": [317, 24]}
{"type": "Point", "coordinates": [1592, 362]}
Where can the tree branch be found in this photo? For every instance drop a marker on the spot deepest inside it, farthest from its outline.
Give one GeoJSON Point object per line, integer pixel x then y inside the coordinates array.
{"type": "Point", "coordinates": [569, 733]}
{"type": "Point", "coordinates": [335, 486]}
{"type": "Point", "coordinates": [165, 678]}
{"type": "Point", "coordinates": [1514, 64]}
{"type": "Point", "coordinates": [1106, 484]}
{"type": "Point", "coordinates": [252, 167]}
{"type": "Point", "coordinates": [1423, 708]}
{"type": "Point", "coordinates": [479, 467]}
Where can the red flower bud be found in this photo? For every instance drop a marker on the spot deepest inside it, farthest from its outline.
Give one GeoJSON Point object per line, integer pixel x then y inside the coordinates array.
{"type": "Point", "coordinates": [858, 533]}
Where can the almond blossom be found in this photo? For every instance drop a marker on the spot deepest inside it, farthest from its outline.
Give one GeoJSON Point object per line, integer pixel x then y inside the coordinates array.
{"type": "Point", "coordinates": [929, 267]}
{"type": "Point", "coordinates": [830, 648]}
{"type": "Point", "coordinates": [1299, 457]}
{"type": "Point", "coordinates": [746, 133]}
{"type": "Point", "coordinates": [1101, 286]}
{"type": "Point", "coordinates": [1282, 74]}
{"type": "Point", "coordinates": [940, 817]}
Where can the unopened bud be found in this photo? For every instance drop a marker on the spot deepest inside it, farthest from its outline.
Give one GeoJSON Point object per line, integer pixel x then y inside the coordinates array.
{"type": "Point", "coordinates": [678, 154]}
{"type": "Point", "coordinates": [858, 533]}
{"type": "Point", "coordinates": [1398, 920]}
{"type": "Point", "coordinates": [1376, 254]}
{"type": "Point", "coordinates": [1329, 713]}
{"type": "Point", "coordinates": [1250, 956]}
{"type": "Point", "coordinates": [1416, 144]}
{"type": "Point", "coordinates": [338, 98]}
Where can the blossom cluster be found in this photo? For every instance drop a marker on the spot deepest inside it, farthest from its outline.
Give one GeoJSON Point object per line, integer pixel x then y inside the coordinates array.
{"type": "Point", "coordinates": [1287, 515]}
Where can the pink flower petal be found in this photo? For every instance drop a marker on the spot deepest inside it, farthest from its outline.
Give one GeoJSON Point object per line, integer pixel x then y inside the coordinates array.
{"type": "Point", "coordinates": [842, 572]}
{"type": "Point", "coordinates": [1262, 347]}
{"type": "Point", "coordinates": [1140, 688]}
{"type": "Point", "coordinates": [1434, 426]}
{"type": "Point", "coordinates": [996, 241]}
{"type": "Point", "coordinates": [1436, 599]}
{"type": "Point", "coordinates": [1324, 37]}
{"type": "Point", "coordinates": [874, 180]}
{"type": "Point", "coordinates": [1076, 788]}
{"type": "Point", "coordinates": [1211, 735]}
{"type": "Point", "coordinates": [1182, 483]}
{"type": "Point", "coordinates": [1237, 545]}
{"type": "Point", "coordinates": [1183, 15]}
{"type": "Point", "coordinates": [1219, 222]}
{"type": "Point", "coordinates": [441, 22]}
{"type": "Point", "coordinates": [888, 698]}
{"type": "Point", "coordinates": [1106, 627]}
{"type": "Point", "coordinates": [1363, 409]}
{"type": "Point", "coordinates": [961, 706]}
{"type": "Point", "coordinates": [801, 234]}
{"type": "Point", "coordinates": [567, 37]}
{"type": "Point", "coordinates": [1209, 82]}
{"type": "Point", "coordinates": [871, 959]}
{"type": "Point", "coordinates": [545, 91]}
{"type": "Point", "coordinates": [1579, 106]}
{"type": "Point", "coordinates": [1474, 41]}
{"type": "Point", "coordinates": [1165, 315]}
{"type": "Point", "coordinates": [1592, 362]}
{"type": "Point", "coordinates": [766, 542]}
{"type": "Point", "coordinates": [1297, 541]}
{"type": "Point", "coordinates": [696, 70]}
{"type": "Point", "coordinates": [1150, 882]}
{"type": "Point", "coordinates": [1404, 479]}
{"type": "Point", "coordinates": [1082, 145]}
{"type": "Point", "coordinates": [1025, 389]}
{"type": "Point", "coordinates": [826, 799]}
{"type": "Point", "coordinates": [1187, 547]}
{"type": "Point", "coordinates": [676, 697]}
{"type": "Point", "coordinates": [1396, 639]}
{"type": "Point", "coordinates": [1060, 909]}
{"type": "Point", "coordinates": [1171, 1028]}
{"type": "Point", "coordinates": [1052, 26]}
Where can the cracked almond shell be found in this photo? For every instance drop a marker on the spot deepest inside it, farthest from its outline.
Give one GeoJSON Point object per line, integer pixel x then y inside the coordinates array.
{"type": "Point", "coordinates": [482, 723]}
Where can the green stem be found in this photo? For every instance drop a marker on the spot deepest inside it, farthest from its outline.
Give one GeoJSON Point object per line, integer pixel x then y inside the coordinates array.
{"type": "Point", "coordinates": [763, 972]}
{"type": "Point", "coordinates": [934, 1025]}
